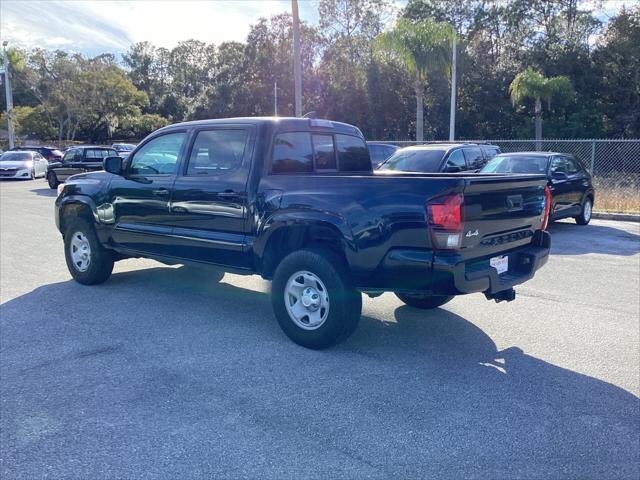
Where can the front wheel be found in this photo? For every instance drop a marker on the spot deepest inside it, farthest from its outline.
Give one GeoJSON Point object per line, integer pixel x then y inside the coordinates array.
{"type": "Point", "coordinates": [87, 260]}
{"type": "Point", "coordinates": [313, 299]}
{"type": "Point", "coordinates": [585, 214]}
{"type": "Point", "coordinates": [423, 301]}
{"type": "Point", "coordinates": [52, 180]}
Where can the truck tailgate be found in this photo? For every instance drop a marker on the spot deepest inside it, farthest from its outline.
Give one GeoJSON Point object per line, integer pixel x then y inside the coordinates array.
{"type": "Point", "coordinates": [501, 212]}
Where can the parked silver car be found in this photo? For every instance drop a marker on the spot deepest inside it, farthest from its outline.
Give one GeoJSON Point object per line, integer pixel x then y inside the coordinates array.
{"type": "Point", "coordinates": [27, 165]}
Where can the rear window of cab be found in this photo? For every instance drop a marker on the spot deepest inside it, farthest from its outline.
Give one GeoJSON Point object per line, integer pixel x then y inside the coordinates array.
{"type": "Point", "coordinates": [307, 152]}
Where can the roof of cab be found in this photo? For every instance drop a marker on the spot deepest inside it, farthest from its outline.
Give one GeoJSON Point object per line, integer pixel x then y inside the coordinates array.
{"type": "Point", "coordinates": [530, 154]}
{"type": "Point", "coordinates": [448, 146]}
{"type": "Point", "coordinates": [282, 123]}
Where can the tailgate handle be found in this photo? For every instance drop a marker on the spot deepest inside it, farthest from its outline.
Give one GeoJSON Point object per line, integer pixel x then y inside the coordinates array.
{"type": "Point", "coordinates": [514, 203]}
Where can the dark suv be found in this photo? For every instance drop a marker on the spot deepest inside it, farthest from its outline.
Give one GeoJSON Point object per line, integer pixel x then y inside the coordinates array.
{"type": "Point", "coordinates": [441, 157]}
{"type": "Point", "coordinates": [51, 154]}
{"type": "Point", "coordinates": [78, 160]}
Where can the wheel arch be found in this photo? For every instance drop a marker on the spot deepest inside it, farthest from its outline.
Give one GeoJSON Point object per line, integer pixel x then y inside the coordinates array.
{"type": "Point", "coordinates": [284, 237]}
{"type": "Point", "coordinates": [76, 207]}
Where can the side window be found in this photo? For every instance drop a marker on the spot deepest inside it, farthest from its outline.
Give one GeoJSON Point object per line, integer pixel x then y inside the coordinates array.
{"type": "Point", "coordinates": [572, 166]}
{"type": "Point", "coordinates": [96, 154]}
{"type": "Point", "coordinates": [292, 153]}
{"type": "Point", "coordinates": [490, 152]}
{"type": "Point", "coordinates": [474, 158]}
{"type": "Point", "coordinates": [158, 156]}
{"type": "Point", "coordinates": [376, 153]}
{"type": "Point", "coordinates": [559, 164]}
{"type": "Point", "coordinates": [217, 151]}
{"type": "Point", "coordinates": [455, 162]}
{"type": "Point", "coordinates": [324, 151]}
{"type": "Point", "coordinates": [70, 156]}
{"type": "Point", "coordinates": [353, 155]}
{"type": "Point", "coordinates": [388, 151]}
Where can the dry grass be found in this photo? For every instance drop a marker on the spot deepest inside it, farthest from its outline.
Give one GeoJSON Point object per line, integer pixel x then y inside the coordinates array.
{"type": "Point", "coordinates": [619, 194]}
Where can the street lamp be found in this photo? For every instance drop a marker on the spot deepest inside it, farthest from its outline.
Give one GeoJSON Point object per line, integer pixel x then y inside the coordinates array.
{"type": "Point", "coordinates": [7, 89]}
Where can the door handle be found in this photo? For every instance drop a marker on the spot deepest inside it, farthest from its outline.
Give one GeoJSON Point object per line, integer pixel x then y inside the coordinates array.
{"type": "Point", "coordinates": [161, 192]}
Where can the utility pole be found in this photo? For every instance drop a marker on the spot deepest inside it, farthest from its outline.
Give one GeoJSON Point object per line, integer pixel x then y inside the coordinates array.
{"type": "Point", "coordinates": [296, 58]}
{"type": "Point", "coordinates": [452, 114]}
{"type": "Point", "coordinates": [275, 98]}
{"type": "Point", "coordinates": [7, 88]}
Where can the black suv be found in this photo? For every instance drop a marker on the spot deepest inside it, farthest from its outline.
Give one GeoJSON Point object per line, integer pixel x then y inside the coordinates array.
{"type": "Point", "coordinates": [51, 154]}
{"type": "Point", "coordinates": [570, 184]}
{"type": "Point", "coordinates": [441, 157]}
{"type": "Point", "coordinates": [78, 160]}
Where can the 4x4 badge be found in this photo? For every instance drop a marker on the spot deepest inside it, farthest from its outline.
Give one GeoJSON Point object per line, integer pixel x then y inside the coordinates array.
{"type": "Point", "coordinates": [472, 234]}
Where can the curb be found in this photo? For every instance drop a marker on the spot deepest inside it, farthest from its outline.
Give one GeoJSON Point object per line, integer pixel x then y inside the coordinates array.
{"type": "Point", "coordinates": [622, 217]}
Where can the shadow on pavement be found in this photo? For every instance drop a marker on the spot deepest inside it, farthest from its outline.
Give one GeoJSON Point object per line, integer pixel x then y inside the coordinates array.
{"type": "Point", "coordinates": [572, 239]}
{"type": "Point", "coordinates": [45, 192]}
{"type": "Point", "coordinates": [164, 371]}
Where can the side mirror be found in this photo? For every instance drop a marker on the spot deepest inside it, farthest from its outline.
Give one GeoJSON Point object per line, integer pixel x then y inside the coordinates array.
{"type": "Point", "coordinates": [559, 176]}
{"type": "Point", "coordinates": [113, 165]}
{"type": "Point", "coordinates": [453, 169]}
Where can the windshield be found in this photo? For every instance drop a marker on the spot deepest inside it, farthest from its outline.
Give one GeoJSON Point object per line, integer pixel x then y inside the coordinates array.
{"type": "Point", "coordinates": [516, 164]}
{"type": "Point", "coordinates": [414, 160]}
{"type": "Point", "coordinates": [15, 156]}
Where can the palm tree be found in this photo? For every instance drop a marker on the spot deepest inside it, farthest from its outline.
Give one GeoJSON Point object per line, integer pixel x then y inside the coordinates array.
{"type": "Point", "coordinates": [421, 47]}
{"type": "Point", "coordinates": [531, 84]}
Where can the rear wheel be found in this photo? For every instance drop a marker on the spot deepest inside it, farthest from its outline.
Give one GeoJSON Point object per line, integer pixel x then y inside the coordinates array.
{"type": "Point", "coordinates": [423, 301]}
{"type": "Point", "coordinates": [87, 260]}
{"type": "Point", "coordinates": [52, 180]}
{"type": "Point", "coordinates": [585, 214]}
{"type": "Point", "coordinates": [313, 299]}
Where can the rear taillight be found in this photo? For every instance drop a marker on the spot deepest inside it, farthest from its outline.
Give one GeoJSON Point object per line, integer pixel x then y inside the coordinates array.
{"type": "Point", "coordinates": [444, 215]}
{"type": "Point", "coordinates": [547, 207]}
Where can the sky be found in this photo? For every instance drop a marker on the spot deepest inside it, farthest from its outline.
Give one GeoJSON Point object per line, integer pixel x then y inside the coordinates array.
{"type": "Point", "coordinates": [97, 26]}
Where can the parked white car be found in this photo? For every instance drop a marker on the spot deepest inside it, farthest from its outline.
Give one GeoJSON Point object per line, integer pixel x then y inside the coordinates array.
{"type": "Point", "coordinates": [27, 165]}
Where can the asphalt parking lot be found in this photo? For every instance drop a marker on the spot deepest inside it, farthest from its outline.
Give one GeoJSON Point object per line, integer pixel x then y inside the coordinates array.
{"type": "Point", "coordinates": [170, 372]}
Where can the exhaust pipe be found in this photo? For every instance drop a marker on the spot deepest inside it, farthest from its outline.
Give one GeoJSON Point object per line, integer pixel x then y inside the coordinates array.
{"type": "Point", "coordinates": [502, 296]}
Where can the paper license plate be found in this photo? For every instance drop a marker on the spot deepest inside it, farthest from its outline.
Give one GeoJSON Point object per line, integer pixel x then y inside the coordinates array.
{"type": "Point", "coordinates": [501, 264]}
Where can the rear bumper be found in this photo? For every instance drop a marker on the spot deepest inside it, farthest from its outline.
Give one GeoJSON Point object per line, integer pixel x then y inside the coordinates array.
{"type": "Point", "coordinates": [479, 276]}
{"type": "Point", "coordinates": [449, 274]}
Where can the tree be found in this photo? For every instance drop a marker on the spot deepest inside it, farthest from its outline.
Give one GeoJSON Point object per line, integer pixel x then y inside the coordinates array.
{"type": "Point", "coordinates": [421, 47]}
{"type": "Point", "coordinates": [617, 69]}
{"type": "Point", "coordinates": [531, 84]}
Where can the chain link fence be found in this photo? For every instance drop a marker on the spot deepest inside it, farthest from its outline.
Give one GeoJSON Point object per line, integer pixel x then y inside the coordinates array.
{"type": "Point", "coordinates": [614, 165]}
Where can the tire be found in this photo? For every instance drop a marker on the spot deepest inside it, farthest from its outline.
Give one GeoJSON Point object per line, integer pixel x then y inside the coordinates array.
{"type": "Point", "coordinates": [319, 278]}
{"type": "Point", "coordinates": [52, 180]}
{"type": "Point", "coordinates": [96, 267]}
{"type": "Point", "coordinates": [585, 213]}
{"type": "Point", "coordinates": [423, 301]}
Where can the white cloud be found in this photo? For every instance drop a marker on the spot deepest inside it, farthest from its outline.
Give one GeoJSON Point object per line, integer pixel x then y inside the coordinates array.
{"type": "Point", "coordinates": [114, 25]}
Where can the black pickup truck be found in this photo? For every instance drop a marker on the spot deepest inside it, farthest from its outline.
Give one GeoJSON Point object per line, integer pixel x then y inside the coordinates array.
{"type": "Point", "coordinates": [295, 201]}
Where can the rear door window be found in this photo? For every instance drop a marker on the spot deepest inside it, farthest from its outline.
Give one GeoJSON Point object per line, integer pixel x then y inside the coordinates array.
{"type": "Point", "coordinates": [292, 153]}
{"type": "Point", "coordinates": [377, 154]}
{"type": "Point", "coordinates": [474, 158]}
{"type": "Point", "coordinates": [324, 151]}
{"type": "Point", "coordinates": [573, 166]}
{"type": "Point", "coordinates": [71, 156]}
{"type": "Point", "coordinates": [353, 155]}
{"type": "Point", "coordinates": [455, 162]}
{"type": "Point", "coordinates": [97, 154]}
{"type": "Point", "coordinates": [559, 164]}
{"type": "Point", "coordinates": [490, 152]}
